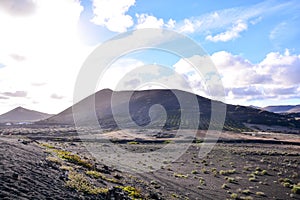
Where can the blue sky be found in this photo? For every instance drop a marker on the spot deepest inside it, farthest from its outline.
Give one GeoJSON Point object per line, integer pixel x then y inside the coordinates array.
{"type": "Point", "coordinates": [255, 46]}
{"type": "Point", "coordinates": [273, 28]}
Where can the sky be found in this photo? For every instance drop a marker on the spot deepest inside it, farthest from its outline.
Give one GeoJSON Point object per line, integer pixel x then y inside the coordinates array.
{"type": "Point", "coordinates": [254, 44]}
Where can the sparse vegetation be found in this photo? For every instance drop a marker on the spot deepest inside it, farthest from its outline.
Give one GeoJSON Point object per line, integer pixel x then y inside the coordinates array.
{"type": "Point", "coordinates": [66, 168]}
{"type": "Point", "coordinates": [234, 196]}
{"type": "Point", "coordinates": [80, 183]}
{"type": "Point", "coordinates": [180, 175]}
{"type": "Point", "coordinates": [132, 191]}
{"type": "Point", "coordinates": [260, 194]}
{"type": "Point", "coordinates": [97, 175]}
{"type": "Point", "coordinates": [133, 143]}
{"type": "Point", "coordinates": [225, 186]}
{"type": "Point", "coordinates": [53, 159]}
{"type": "Point", "coordinates": [73, 158]}
{"type": "Point", "coordinates": [227, 172]}
{"type": "Point", "coordinates": [296, 189]}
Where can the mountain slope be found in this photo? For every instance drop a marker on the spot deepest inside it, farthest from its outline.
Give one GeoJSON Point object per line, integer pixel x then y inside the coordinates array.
{"type": "Point", "coordinates": [19, 115]}
{"type": "Point", "coordinates": [141, 102]}
{"type": "Point", "coordinates": [283, 109]}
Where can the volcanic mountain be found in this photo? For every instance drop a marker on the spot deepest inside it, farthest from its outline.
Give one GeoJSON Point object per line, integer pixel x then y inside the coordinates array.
{"type": "Point", "coordinates": [143, 110]}
{"type": "Point", "coordinates": [22, 115]}
{"type": "Point", "coordinates": [283, 109]}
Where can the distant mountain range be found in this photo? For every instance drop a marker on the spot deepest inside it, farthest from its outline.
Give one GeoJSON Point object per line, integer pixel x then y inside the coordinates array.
{"type": "Point", "coordinates": [141, 101]}
{"type": "Point", "coordinates": [283, 109]}
{"type": "Point", "coordinates": [22, 115]}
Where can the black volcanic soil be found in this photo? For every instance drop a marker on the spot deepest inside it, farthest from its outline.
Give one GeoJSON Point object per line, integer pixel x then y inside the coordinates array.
{"type": "Point", "coordinates": [25, 173]}
{"type": "Point", "coordinates": [31, 169]}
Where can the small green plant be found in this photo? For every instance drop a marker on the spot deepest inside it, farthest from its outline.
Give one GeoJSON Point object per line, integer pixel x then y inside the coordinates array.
{"type": "Point", "coordinates": [132, 142]}
{"type": "Point", "coordinates": [286, 184]}
{"type": "Point", "coordinates": [96, 175]}
{"type": "Point", "coordinates": [285, 180]}
{"type": "Point", "coordinates": [202, 181]}
{"type": "Point", "coordinates": [53, 159]}
{"type": "Point", "coordinates": [246, 192]}
{"type": "Point", "coordinates": [264, 172]}
{"type": "Point", "coordinates": [227, 172]}
{"type": "Point", "coordinates": [194, 172]}
{"type": "Point", "coordinates": [180, 175]}
{"type": "Point", "coordinates": [253, 179]}
{"type": "Point", "coordinates": [296, 189]}
{"type": "Point", "coordinates": [234, 196]}
{"type": "Point", "coordinates": [204, 171]}
{"type": "Point", "coordinates": [225, 186]}
{"type": "Point", "coordinates": [49, 146]}
{"type": "Point", "coordinates": [131, 191]}
{"type": "Point", "coordinates": [73, 158]}
{"type": "Point", "coordinates": [260, 194]}
{"type": "Point", "coordinates": [80, 183]}
{"type": "Point", "coordinates": [230, 180]}
{"type": "Point", "coordinates": [66, 168]}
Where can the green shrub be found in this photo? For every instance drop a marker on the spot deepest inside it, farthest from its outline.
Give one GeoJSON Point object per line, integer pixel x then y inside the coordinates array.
{"type": "Point", "coordinates": [234, 196]}
{"type": "Point", "coordinates": [246, 192]}
{"type": "Point", "coordinates": [260, 194]}
{"type": "Point", "coordinates": [180, 175]}
{"type": "Point", "coordinates": [133, 142]}
{"type": "Point", "coordinates": [131, 191]}
{"type": "Point", "coordinates": [224, 186]}
{"type": "Point", "coordinates": [296, 189]}
{"type": "Point", "coordinates": [80, 183]}
{"type": "Point", "coordinates": [227, 172]}
{"type": "Point", "coordinates": [53, 159]}
{"type": "Point", "coordinates": [96, 174]}
{"type": "Point", "coordinates": [73, 158]}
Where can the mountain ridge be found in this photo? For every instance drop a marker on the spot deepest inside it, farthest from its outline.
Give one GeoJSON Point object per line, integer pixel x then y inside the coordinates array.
{"type": "Point", "coordinates": [283, 108]}
{"type": "Point", "coordinates": [23, 115]}
{"type": "Point", "coordinates": [141, 102]}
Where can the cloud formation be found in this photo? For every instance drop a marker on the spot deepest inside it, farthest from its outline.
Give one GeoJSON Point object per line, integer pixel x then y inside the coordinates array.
{"type": "Point", "coordinates": [148, 21]}
{"type": "Point", "coordinates": [232, 33]}
{"type": "Point", "coordinates": [15, 94]}
{"type": "Point", "coordinates": [18, 7]}
{"type": "Point", "coordinates": [275, 77]}
{"type": "Point", "coordinates": [56, 96]}
{"type": "Point", "coordinates": [112, 14]}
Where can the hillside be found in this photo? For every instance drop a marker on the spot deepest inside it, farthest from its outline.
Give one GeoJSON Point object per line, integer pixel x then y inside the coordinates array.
{"type": "Point", "coordinates": [141, 101]}
{"type": "Point", "coordinates": [21, 115]}
{"type": "Point", "coordinates": [283, 109]}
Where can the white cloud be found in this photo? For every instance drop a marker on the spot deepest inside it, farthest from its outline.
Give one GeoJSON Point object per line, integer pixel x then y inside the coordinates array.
{"type": "Point", "coordinates": [148, 21]}
{"type": "Point", "coordinates": [171, 24]}
{"type": "Point", "coordinates": [230, 34]}
{"type": "Point", "coordinates": [112, 14]}
{"type": "Point", "coordinates": [187, 27]}
{"type": "Point", "coordinates": [278, 30]}
{"type": "Point", "coordinates": [17, 7]}
{"type": "Point", "coordinates": [275, 77]}
{"type": "Point", "coordinates": [221, 20]}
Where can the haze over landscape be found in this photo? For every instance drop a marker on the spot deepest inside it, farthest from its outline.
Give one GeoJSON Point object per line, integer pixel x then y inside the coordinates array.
{"type": "Point", "coordinates": [254, 45]}
{"type": "Point", "coordinates": [136, 99]}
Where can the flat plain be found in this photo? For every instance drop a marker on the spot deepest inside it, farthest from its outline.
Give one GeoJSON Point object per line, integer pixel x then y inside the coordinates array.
{"type": "Point", "coordinates": [53, 163]}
